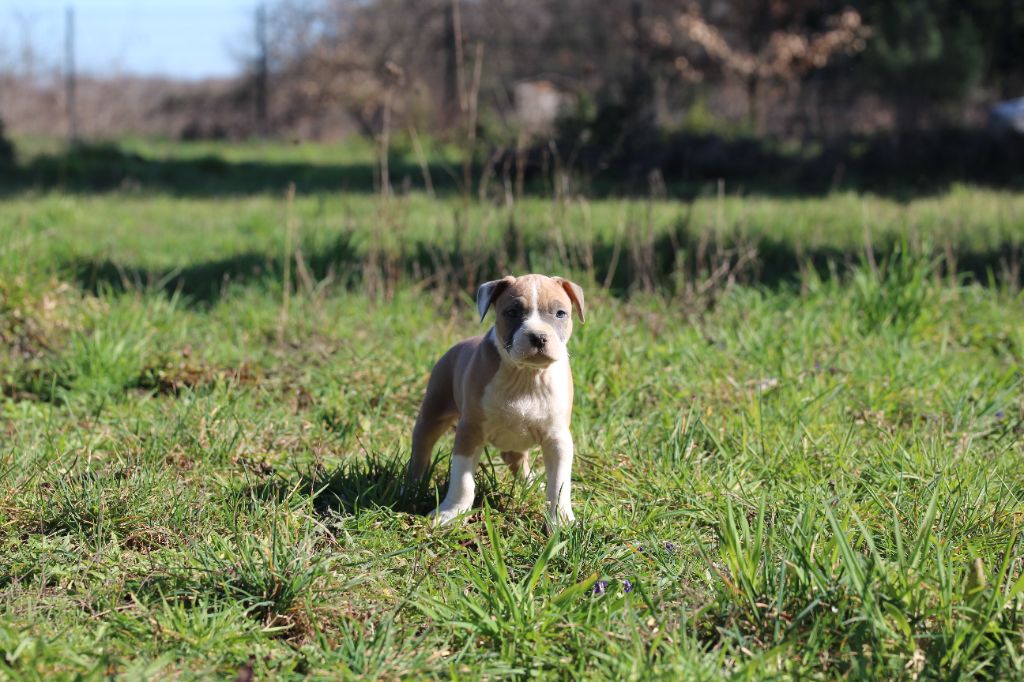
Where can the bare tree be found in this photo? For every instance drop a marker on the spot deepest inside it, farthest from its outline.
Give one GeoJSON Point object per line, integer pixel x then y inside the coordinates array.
{"type": "Point", "coordinates": [342, 54]}
{"type": "Point", "coordinates": [782, 55]}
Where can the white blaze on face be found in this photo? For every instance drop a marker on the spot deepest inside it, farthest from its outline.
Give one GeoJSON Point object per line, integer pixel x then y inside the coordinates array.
{"type": "Point", "coordinates": [532, 322]}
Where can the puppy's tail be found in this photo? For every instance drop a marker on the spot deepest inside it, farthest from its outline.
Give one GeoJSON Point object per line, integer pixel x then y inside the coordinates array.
{"type": "Point", "coordinates": [428, 430]}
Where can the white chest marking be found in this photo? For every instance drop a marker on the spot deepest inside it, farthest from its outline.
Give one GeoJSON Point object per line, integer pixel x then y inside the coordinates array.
{"type": "Point", "coordinates": [523, 409]}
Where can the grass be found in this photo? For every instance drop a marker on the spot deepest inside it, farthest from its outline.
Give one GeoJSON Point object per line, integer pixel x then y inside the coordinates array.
{"type": "Point", "coordinates": [798, 456]}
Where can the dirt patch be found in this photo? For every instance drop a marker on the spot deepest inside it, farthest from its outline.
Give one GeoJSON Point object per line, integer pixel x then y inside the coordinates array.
{"type": "Point", "coordinates": [175, 371]}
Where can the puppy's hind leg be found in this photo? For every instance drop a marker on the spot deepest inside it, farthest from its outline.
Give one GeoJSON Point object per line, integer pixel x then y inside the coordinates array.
{"type": "Point", "coordinates": [519, 463]}
{"type": "Point", "coordinates": [430, 426]}
{"type": "Point", "coordinates": [437, 414]}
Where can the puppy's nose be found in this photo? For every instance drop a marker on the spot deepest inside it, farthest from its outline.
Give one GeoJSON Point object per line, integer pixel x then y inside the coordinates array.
{"type": "Point", "coordinates": [537, 340]}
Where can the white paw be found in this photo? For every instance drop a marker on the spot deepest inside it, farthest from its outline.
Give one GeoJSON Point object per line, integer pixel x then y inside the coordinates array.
{"type": "Point", "coordinates": [563, 517]}
{"type": "Point", "coordinates": [442, 516]}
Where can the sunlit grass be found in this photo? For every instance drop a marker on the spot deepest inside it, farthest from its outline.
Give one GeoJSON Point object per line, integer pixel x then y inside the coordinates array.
{"type": "Point", "coordinates": [812, 475]}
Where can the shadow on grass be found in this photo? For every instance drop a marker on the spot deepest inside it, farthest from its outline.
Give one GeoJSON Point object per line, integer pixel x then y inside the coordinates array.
{"type": "Point", "coordinates": [358, 483]}
{"type": "Point", "coordinates": [673, 263]}
{"type": "Point", "coordinates": [100, 168]}
{"type": "Point", "coordinates": [205, 282]}
{"type": "Point", "coordinates": [378, 481]}
{"type": "Point", "coordinates": [897, 166]}
{"type": "Point", "coordinates": [685, 165]}
{"type": "Point", "coordinates": [372, 482]}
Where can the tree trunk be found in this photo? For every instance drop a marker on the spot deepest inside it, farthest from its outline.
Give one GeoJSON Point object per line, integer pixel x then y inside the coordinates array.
{"type": "Point", "coordinates": [641, 88]}
{"type": "Point", "coordinates": [451, 112]}
{"type": "Point", "coordinates": [753, 104]}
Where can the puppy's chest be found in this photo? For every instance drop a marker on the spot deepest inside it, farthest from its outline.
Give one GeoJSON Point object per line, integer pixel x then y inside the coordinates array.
{"type": "Point", "coordinates": [519, 417]}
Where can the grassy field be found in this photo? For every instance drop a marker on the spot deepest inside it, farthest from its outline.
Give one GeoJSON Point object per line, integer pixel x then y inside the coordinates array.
{"type": "Point", "coordinates": [798, 427]}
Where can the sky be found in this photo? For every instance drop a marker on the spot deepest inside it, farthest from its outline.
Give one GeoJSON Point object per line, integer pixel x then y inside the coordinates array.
{"type": "Point", "coordinates": [189, 39]}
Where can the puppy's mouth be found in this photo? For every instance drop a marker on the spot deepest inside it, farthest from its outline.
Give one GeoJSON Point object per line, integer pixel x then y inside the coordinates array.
{"type": "Point", "coordinates": [531, 356]}
{"type": "Point", "coordinates": [537, 359]}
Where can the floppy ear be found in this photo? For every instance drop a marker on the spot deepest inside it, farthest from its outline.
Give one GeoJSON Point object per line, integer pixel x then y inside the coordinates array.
{"type": "Point", "coordinates": [488, 292]}
{"type": "Point", "coordinates": [575, 292]}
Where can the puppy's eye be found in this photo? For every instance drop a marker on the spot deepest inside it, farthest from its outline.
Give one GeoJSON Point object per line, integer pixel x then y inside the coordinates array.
{"type": "Point", "coordinates": [513, 313]}
{"type": "Point", "coordinates": [561, 314]}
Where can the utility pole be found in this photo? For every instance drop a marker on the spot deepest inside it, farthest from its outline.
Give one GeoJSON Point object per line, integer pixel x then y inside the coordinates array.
{"type": "Point", "coordinates": [69, 73]}
{"type": "Point", "coordinates": [262, 69]}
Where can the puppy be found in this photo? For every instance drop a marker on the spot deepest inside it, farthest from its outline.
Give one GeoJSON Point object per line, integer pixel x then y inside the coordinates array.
{"type": "Point", "coordinates": [510, 388]}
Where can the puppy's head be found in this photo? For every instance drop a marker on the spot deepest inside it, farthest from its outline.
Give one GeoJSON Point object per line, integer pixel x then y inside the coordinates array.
{"type": "Point", "coordinates": [534, 316]}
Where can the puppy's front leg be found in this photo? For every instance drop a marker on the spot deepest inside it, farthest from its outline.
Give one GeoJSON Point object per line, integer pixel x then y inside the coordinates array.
{"type": "Point", "coordinates": [558, 452]}
{"type": "Point", "coordinates": [461, 486]}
